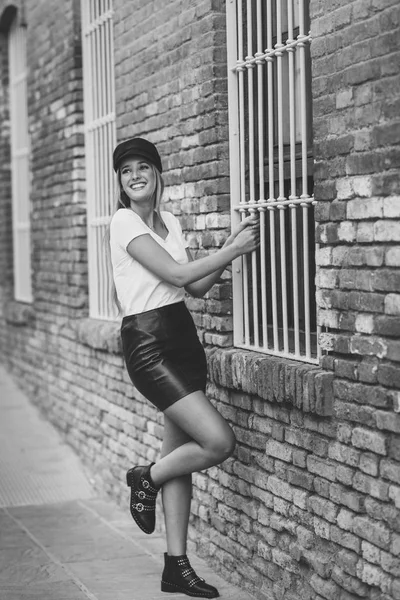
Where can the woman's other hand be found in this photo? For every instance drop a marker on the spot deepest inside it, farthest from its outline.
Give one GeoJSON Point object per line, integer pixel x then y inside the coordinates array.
{"type": "Point", "coordinates": [247, 238]}
{"type": "Point", "coordinates": [249, 221]}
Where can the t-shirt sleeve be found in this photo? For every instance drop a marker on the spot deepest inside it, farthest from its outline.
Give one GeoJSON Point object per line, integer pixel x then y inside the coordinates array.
{"type": "Point", "coordinates": [126, 226]}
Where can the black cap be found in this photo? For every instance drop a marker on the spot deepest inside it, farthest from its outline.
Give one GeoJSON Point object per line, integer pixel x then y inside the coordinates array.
{"type": "Point", "coordinates": [139, 147]}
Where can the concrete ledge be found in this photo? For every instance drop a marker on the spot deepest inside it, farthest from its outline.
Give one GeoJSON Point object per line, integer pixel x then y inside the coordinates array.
{"type": "Point", "coordinates": [306, 387]}
{"type": "Point", "coordinates": [101, 335]}
{"type": "Point", "coordinates": [18, 313]}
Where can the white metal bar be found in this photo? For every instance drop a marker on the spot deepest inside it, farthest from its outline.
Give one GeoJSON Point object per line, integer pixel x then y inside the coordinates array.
{"type": "Point", "coordinates": [277, 203]}
{"type": "Point", "coordinates": [306, 281]}
{"type": "Point", "coordinates": [260, 83]}
{"type": "Point", "coordinates": [304, 195]}
{"type": "Point", "coordinates": [319, 329]}
{"type": "Point", "coordinates": [271, 53]}
{"type": "Point", "coordinates": [242, 142]}
{"type": "Point", "coordinates": [250, 91]}
{"type": "Point", "coordinates": [293, 196]}
{"type": "Point", "coordinates": [101, 121]}
{"type": "Point", "coordinates": [296, 323]}
{"type": "Point", "coordinates": [281, 175]}
{"type": "Point", "coordinates": [103, 160]}
{"type": "Point", "coordinates": [270, 74]}
{"type": "Point", "coordinates": [234, 161]}
{"type": "Point", "coordinates": [251, 118]}
{"type": "Point", "coordinates": [106, 16]}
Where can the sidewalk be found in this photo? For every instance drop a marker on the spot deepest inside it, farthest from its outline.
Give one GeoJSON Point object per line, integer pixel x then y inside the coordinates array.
{"type": "Point", "coordinates": [58, 541]}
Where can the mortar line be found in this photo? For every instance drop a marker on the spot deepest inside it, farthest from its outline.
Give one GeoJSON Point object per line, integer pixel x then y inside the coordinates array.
{"type": "Point", "coordinates": [53, 558]}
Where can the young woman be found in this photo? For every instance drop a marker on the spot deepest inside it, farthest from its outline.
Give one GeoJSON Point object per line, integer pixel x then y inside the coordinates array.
{"type": "Point", "coordinates": [152, 269]}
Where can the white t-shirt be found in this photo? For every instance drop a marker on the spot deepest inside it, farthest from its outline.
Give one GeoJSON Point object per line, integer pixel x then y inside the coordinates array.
{"type": "Point", "coordinates": [137, 288]}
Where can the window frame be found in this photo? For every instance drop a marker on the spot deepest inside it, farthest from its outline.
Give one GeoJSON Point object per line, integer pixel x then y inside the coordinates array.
{"type": "Point", "coordinates": [243, 29]}
{"type": "Point", "coordinates": [100, 140]}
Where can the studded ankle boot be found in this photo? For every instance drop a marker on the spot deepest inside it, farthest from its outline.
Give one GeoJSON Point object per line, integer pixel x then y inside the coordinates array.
{"type": "Point", "coordinates": [143, 497]}
{"type": "Point", "coordinates": [180, 577]}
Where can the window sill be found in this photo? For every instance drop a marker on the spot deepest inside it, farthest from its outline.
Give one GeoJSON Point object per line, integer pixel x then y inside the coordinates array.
{"type": "Point", "coordinates": [18, 313]}
{"type": "Point", "coordinates": [284, 381]}
{"type": "Point", "coordinates": [304, 386]}
{"type": "Point", "coordinates": [98, 334]}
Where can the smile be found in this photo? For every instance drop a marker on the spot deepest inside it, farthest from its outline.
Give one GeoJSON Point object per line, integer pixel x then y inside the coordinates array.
{"type": "Point", "coordinates": [137, 186]}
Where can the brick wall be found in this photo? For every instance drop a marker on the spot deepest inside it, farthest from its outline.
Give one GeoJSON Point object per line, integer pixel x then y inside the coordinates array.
{"type": "Point", "coordinates": [309, 505]}
{"type": "Point", "coordinates": [171, 87]}
{"type": "Point", "coordinates": [58, 212]}
{"type": "Point", "coordinates": [356, 85]}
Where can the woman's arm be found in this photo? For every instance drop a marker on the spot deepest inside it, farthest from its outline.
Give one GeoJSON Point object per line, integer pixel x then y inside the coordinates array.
{"type": "Point", "coordinates": [157, 260]}
{"type": "Point", "coordinates": [197, 289]}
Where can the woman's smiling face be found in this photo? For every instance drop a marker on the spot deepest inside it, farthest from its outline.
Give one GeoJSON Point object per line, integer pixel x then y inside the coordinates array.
{"type": "Point", "coordinates": [138, 179]}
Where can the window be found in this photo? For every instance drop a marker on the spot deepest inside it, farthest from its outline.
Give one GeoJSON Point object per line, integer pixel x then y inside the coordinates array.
{"type": "Point", "coordinates": [100, 136]}
{"type": "Point", "coordinates": [20, 167]}
{"type": "Point", "coordinates": [269, 83]}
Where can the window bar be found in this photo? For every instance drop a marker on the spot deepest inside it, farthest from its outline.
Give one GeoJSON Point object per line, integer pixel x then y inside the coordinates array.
{"type": "Point", "coordinates": [100, 278]}
{"type": "Point", "coordinates": [98, 163]}
{"type": "Point", "coordinates": [105, 285]}
{"type": "Point", "coordinates": [252, 209]}
{"type": "Point", "coordinates": [97, 75]}
{"type": "Point", "coordinates": [293, 207]}
{"type": "Point", "coordinates": [103, 158]}
{"type": "Point", "coordinates": [241, 68]}
{"type": "Point", "coordinates": [319, 329]}
{"type": "Point", "coordinates": [87, 11]}
{"type": "Point", "coordinates": [235, 161]}
{"type": "Point", "coordinates": [304, 195]}
{"type": "Point", "coordinates": [103, 93]}
{"type": "Point", "coordinates": [270, 75]}
{"type": "Point", "coordinates": [279, 58]}
{"type": "Point", "coordinates": [260, 74]}
{"type": "Point", "coordinates": [111, 59]}
{"type": "Point", "coordinates": [104, 161]}
{"type": "Point", "coordinates": [108, 110]}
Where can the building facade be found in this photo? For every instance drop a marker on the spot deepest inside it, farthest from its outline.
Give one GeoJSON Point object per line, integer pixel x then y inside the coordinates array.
{"type": "Point", "coordinates": [290, 109]}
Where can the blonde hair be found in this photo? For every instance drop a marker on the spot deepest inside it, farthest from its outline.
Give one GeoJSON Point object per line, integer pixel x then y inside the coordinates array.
{"type": "Point", "coordinates": [123, 201]}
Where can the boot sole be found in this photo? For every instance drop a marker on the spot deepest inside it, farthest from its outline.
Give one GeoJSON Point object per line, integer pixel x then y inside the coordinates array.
{"type": "Point", "coordinates": [176, 589]}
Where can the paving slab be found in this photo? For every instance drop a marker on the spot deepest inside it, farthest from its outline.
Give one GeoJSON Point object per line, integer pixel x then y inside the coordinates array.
{"type": "Point", "coordinates": [36, 465]}
{"type": "Point", "coordinates": [58, 539]}
{"type": "Point", "coordinates": [55, 591]}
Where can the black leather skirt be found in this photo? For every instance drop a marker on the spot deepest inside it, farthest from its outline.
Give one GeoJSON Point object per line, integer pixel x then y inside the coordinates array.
{"type": "Point", "coordinates": [163, 354]}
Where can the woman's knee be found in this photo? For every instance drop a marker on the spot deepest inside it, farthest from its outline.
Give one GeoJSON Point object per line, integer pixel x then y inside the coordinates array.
{"type": "Point", "coordinates": [223, 446]}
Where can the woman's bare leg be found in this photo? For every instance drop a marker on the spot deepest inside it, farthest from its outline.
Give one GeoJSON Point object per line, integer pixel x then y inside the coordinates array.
{"type": "Point", "coordinates": [211, 439]}
{"type": "Point", "coordinates": [176, 493]}
{"type": "Point", "coordinates": [196, 437]}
